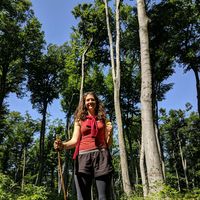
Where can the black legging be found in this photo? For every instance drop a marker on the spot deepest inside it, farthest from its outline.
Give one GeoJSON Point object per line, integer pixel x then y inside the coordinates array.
{"type": "Point", "coordinates": [83, 186]}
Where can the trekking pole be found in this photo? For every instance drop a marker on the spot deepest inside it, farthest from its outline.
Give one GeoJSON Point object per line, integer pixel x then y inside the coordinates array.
{"type": "Point", "coordinates": [60, 171]}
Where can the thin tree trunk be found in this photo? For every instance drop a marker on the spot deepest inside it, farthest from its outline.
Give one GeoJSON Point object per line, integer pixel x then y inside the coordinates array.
{"type": "Point", "coordinates": [83, 75]}
{"type": "Point", "coordinates": [117, 84]}
{"type": "Point", "coordinates": [143, 170]}
{"type": "Point", "coordinates": [159, 150]}
{"type": "Point", "coordinates": [196, 73]}
{"type": "Point", "coordinates": [83, 66]}
{"type": "Point", "coordinates": [193, 179]}
{"type": "Point", "coordinates": [23, 169]}
{"type": "Point", "coordinates": [67, 163]}
{"type": "Point", "coordinates": [52, 178]}
{"type": "Point", "coordinates": [42, 138]}
{"type": "Point", "coordinates": [177, 175]}
{"type": "Point", "coordinates": [116, 80]}
{"type": "Point", "coordinates": [178, 179]}
{"type": "Point", "coordinates": [183, 161]}
{"type": "Point", "coordinates": [131, 161]}
{"type": "Point", "coordinates": [136, 175]}
{"type": "Point", "coordinates": [18, 170]}
{"type": "Point", "coordinates": [3, 88]}
{"type": "Point", "coordinates": [154, 169]}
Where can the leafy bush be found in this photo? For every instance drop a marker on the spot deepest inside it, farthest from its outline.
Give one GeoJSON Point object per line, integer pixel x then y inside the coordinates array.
{"type": "Point", "coordinates": [32, 192]}
{"type": "Point", "coordinates": [11, 191]}
{"type": "Point", "coordinates": [167, 193]}
{"type": "Point", "coordinates": [6, 187]}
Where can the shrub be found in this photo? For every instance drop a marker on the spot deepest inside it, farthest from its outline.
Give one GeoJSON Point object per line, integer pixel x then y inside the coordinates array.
{"type": "Point", "coordinates": [6, 188]}
{"type": "Point", "coordinates": [32, 192]}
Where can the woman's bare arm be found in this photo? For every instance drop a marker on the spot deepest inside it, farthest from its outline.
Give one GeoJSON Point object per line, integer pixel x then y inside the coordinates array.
{"type": "Point", "coordinates": [72, 142]}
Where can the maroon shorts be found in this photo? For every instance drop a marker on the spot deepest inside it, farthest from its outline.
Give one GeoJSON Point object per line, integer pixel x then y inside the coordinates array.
{"type": "Point", "coordinates": [95, 162]}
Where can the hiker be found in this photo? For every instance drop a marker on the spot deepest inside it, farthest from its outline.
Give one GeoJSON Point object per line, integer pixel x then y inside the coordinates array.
{"type": "Point", "coordinates": [92, 137]}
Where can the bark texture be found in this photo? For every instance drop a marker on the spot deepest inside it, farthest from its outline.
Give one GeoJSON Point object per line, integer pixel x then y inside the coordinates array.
{"type": "Point", "coordinates": [154, 169]}
{"type": "Point", "coordinates": [116, 81]}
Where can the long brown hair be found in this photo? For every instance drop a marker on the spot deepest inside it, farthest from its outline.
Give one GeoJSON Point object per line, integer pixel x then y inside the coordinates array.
{"type": "Point", "coordinates": [81, 111]}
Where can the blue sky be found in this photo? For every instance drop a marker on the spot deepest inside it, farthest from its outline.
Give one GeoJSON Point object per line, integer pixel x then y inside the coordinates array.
{"type": "Point", "coordinates": [57, 20]}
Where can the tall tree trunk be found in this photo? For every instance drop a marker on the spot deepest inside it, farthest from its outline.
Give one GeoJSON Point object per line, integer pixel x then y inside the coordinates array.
{"type": "Point", "coordinates": [42, 138]}
{"type": "Point", "coordinates": [136, 175]}
{"type": "Point", "coordinates": [196, 73]}
{"type": "Point", "coordinates": [160, 150]}
{"type": "Point", "coordinates": [83, 66]}
{"type": "Point", "coordinates": [184, 162]}
{"type": "Point", "coordinates": [23, 169]}
{"type": "Point", "coordinates": [154, 169]}
{"type": "Point", "coordinates": [177, 175]}
{"type": "Point", "coordinates": [132, 162]}
{"type": "Point", "coordinates": [116, 81]}
{"type": "Point", "coordinates": [67, 164]}
{"type": "Point", "coordinates": [3, 88]}
{"type": "Point", "coordinates": [157, 131]}
{"type": "Point", "coordinates": [193, 178]}
{"type": "Point", "coordinates": [83, 77]}
{"type": "Point", "coordinates": [52, 185]}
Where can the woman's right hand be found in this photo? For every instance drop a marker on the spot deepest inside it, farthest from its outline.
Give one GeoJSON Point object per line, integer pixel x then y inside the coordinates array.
{"type": "Point", "coordinates": [58, 145]}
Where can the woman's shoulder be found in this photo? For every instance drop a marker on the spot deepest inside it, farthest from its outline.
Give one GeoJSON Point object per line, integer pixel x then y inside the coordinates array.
{"type": "Point", "coordinates": [77, 122]}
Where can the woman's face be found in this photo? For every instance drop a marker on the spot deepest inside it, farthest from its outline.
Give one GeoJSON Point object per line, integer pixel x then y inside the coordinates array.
{"type": "Point", "coordinates": [90, 103]}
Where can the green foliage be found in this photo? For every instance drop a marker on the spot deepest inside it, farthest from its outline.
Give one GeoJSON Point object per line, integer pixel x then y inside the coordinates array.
{"type": "Point", "coordinates": [91, 24]}
{"type": "Point", "coordinates": [173, 28]}
{"type": "Point", "coordinates": [17, 45]}
{"type": "Point", "coordinates": [180, 142]}
{"type": "Point", "coordinates": [32, 192]}
{"type": "Point", "coordinates": [174, 34]}
{"type": "Point", "coordinates": [171, 193]}
{"type": "Point", "coordinates": [11, 191]}
{"type": "Point", "coordinates": [18, 136]}
{"type": "Point", "coordinates": [167, 193]}
{"type": "Point", "coordinates": [6, 187]}
{"type": "Point", "coordinates": [43, 78]}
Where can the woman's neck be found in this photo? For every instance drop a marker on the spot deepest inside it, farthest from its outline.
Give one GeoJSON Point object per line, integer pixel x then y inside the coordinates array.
{"type": "Point", "coordinates": [91, 113]}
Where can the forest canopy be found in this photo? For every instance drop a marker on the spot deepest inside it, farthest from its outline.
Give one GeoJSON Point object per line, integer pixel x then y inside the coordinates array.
{"type": "Point", "coordinates": [104, 54]}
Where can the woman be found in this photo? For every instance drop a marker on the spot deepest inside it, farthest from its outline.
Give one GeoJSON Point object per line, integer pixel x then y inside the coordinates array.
{"type": "Point", "coordinates": [91, 137]}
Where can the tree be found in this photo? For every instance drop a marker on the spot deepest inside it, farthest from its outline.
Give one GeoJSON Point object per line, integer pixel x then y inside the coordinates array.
{"type": "Point", "coordinates": [179, 133]}
{"type": "Point", "coordinates": [189, 39]}
{"type": "Point", "coordinates": [85, 55]}
{"type": "Point", "coordinates": [80, 64]}
{"type": "Point", "coordinates": [175, 29]}
{"type": "Point", "coordinates": [44, 85]}
{"type": "Point", "coordinates": [116, 82]}
{"type": "Point", "coordinates": [16, 45]}
{"type": "Point", "coordinates": [154, 170]}
{"type": "Point", "coordinates": [19, 138]}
